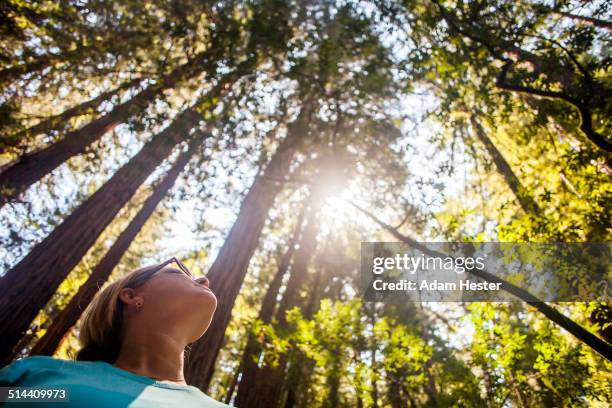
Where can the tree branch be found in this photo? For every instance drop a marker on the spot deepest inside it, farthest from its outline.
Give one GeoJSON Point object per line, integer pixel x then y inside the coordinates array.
{"type": "Point", "coordinates": [586, 119]}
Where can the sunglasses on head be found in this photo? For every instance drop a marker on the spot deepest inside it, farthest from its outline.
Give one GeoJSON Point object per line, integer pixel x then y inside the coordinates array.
{"type": "Point", "coordinates": [148, 274]}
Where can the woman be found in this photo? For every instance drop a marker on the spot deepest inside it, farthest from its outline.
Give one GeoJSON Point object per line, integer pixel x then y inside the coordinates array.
{"type": "Point", "coordinates": [133, 335]}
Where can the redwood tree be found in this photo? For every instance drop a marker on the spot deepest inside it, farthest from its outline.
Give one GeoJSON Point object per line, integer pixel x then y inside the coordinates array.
{"type": "Point", "coordinates": [62, 119]}
{"type": "Point", "coordinates": [262, 386]}
{"type": "Point", "coordinates": [31, 167]}
{"type": "Point", "coordinates": [247, 366]}
{"type": "Point", "coordinates": [524, 198]}
{"type": "Point", "coordinates": [230, 267]}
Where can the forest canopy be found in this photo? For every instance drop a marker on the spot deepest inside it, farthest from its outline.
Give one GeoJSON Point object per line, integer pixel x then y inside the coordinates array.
{"type": "Point", "coordinates": [262, 141]}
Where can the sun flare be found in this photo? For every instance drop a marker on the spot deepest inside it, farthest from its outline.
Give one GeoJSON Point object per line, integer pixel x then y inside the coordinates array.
{"type": "Point", "coordinates": [337, 209]}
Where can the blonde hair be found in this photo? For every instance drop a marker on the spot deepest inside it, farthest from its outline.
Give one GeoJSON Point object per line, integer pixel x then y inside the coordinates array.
{"type": "Point", "coordinates": [100, 331]}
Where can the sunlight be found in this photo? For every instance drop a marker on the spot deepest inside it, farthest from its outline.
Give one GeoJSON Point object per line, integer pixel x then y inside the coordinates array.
{"type": "Point", "coordinates": [337, 211]}
{"type": "Point", "coordinates": [337, 204]}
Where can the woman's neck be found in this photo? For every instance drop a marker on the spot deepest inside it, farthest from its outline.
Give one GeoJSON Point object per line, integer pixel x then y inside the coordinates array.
{"type": "Point", "coordinates": [154, 355]}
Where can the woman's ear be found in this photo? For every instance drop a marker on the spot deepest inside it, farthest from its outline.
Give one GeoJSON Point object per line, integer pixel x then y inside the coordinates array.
{"type": "Point", "coordinates": [129, 296]}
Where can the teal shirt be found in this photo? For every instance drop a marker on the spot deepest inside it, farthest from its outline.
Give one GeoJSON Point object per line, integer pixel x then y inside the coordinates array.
{"type": "Point", "coordinates": [99, 384]}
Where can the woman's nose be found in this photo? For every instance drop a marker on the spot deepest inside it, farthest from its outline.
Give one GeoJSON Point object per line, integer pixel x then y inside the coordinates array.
{"type": "Point", "coordinates": [203, 281]}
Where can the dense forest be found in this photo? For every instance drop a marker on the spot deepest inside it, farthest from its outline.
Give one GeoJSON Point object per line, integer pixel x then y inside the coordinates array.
{"type": "Point", "coordinates": [262, 141]}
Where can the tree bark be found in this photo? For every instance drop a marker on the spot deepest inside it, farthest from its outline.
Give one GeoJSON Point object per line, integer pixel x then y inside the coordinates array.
{"type": "Point", "coordinates": [230, 266]}
{"type": "Point", "coordinates": [54, 122]}
{"type": "Point", "coordinates": [268, 305]}
{"type": "Point", "coordinates": [314, 298]}
{"type": "Point", "coordinates": [299, 270]}
{"type": "Point", "coordinates": [267, 388]}
{"type": "Point", "coordinates": [68, 317]}
{"type": "Point", "coordinates": [31, 167]}
{"type": "Point", "coordinates": [333, 382]}
{"type": "Point", "coordinates": [582, 334]}
{"type": "Point", "coordinates": [597, 22]}
{"type": "Point", "coordinates": [525, 200]}
{"type": "Point", "coordinates": [394, 391]}
{"type": "Point", "coordinates": [29, 285]}
{"type": "Point", "coordinates": [249, 369]}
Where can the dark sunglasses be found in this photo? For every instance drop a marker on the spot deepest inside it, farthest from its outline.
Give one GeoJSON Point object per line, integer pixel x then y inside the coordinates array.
{"type": "Point", "coordinates": [148, 274]}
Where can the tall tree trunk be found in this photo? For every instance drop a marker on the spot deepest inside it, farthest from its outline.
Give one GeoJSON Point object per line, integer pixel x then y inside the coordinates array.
{"type": "Point", "coordinates": [290, 400]}
{"type": "Point", "coordinates": [31, 167]}
{"type": "Point", "coordinates": [301, 369]}
{"type": "Point", "coordinates": [268, 305]}
{"type": "Point", "coordinates": [29, 285]}
{"type": "Point", "coordinates": [314, 297]}
{"type": "Point", "coordinates": [36, 65]}
{"type": "Point", "coordinates": [61, 325]}
{"type": "Point", "coordinates": [278, 386]}
{"type": "Point", "coordinates": [597, 22]}
{"type": "Point", "coordinates": [230, 266]}
{"type": "Point", "coordinates": [297, 388]}
{"type": "Point", "coordinates": [299, 270]}
{"type": "Point", "coordinates": [56, 121]}
{"type": "Point", "coordinates": [394, 391]}
{"type": "Point", "coordinates": [248, 367]}
{"type": "Point", "coordinates": [582, 334]}
{"type": "Point", "coordinates": [333, 382]}
{"type": "Point", "coordinates": [524, 198]}
{"type": "Point", "coordinates": [267, 389]}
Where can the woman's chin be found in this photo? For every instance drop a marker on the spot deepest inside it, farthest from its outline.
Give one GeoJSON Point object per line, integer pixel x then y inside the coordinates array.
{"type": "Point", "coordinates": [207, 303]}
{"type": "Point", "coordinates": [210, 295]}
{"type": "Point", "coordinates": [206, 295]}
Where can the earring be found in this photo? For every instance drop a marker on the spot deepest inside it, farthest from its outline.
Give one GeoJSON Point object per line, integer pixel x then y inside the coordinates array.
{"type": "Point", "coordinates": [138, 306]}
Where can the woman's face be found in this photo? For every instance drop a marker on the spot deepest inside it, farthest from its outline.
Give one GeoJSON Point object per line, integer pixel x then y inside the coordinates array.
{"type": "Point", "coordinates": [173, 300]}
